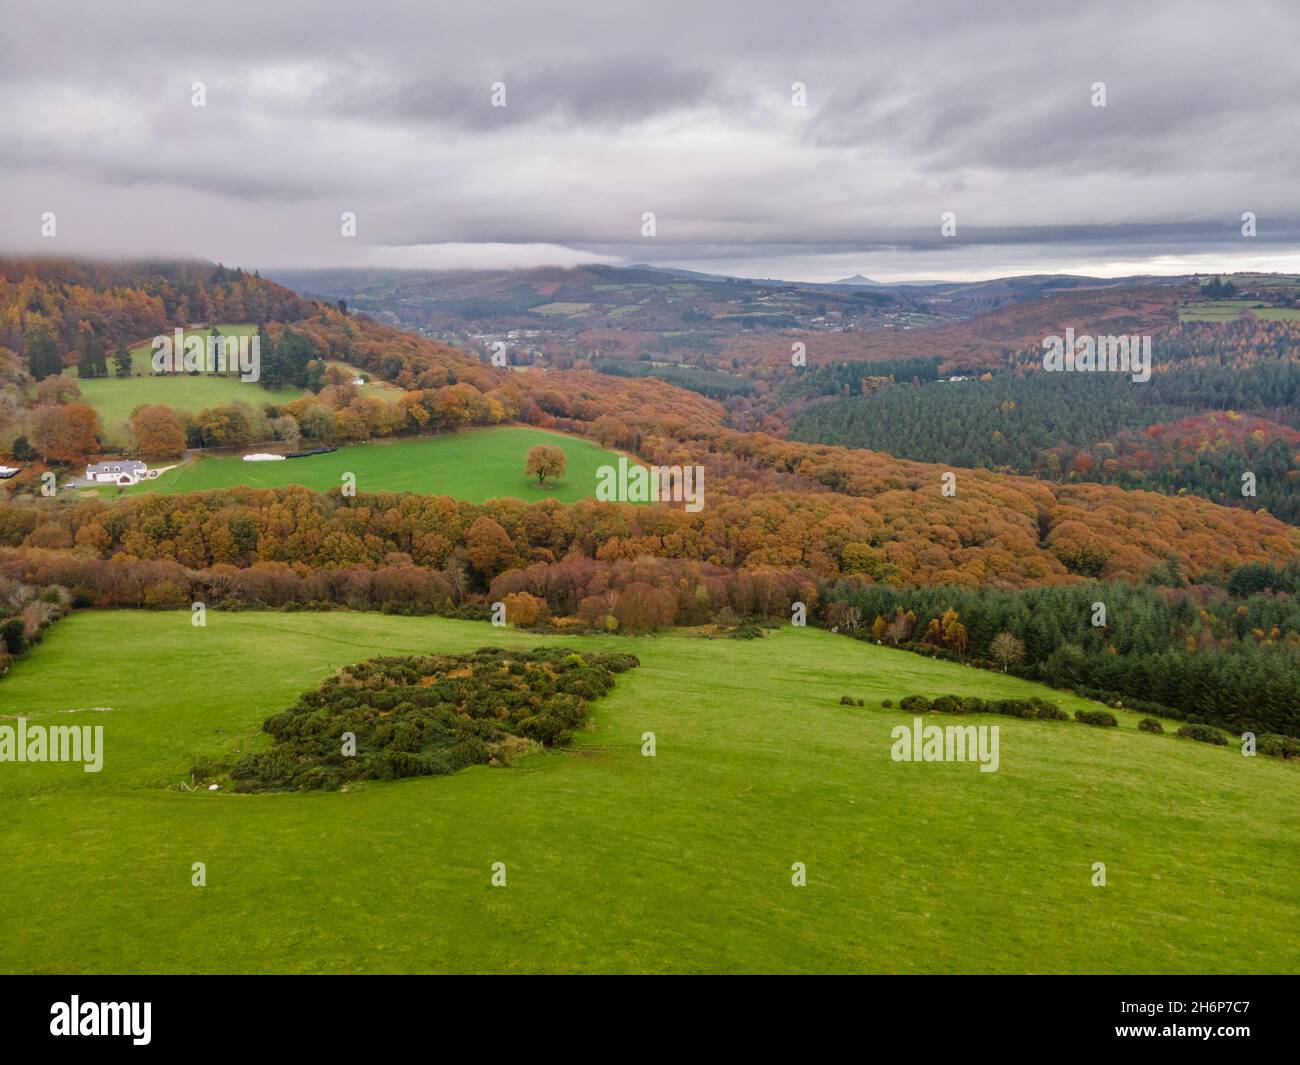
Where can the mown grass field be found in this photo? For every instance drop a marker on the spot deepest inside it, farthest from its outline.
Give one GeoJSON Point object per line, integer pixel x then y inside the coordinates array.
{"type": "Point", "coordinates": [615, 861]}
{"type": "Point", "coordinates": [115, 398]}
{"type": "Point", "coordinates": [477, 465]}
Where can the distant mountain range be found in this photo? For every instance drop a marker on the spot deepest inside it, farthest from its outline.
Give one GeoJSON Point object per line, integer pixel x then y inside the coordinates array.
{"type": "Point", "coordinates": [860, 281]}
{"type": "Point", "coordinates": [681, 315]}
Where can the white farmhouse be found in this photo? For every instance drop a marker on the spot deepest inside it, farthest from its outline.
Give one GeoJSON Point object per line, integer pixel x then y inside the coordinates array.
{"type": "Point", "coordinates": [117, 471]}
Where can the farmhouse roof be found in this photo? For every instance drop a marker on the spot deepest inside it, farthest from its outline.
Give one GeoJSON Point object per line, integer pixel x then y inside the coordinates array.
{"type": "Point", "coordinates": [117, 466]}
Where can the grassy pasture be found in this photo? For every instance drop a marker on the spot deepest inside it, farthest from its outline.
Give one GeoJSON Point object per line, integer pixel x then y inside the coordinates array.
{"type": "Point", "coordinates": [476, 465]}
{"type": "Point", "coordinates": [615, 861]}
{"type": "Point", "coordinates": [567, 310]}
{"type": "Point", "coordinates": [115, 398]}
{"type": "Point", "coordinates": [1229, 310]}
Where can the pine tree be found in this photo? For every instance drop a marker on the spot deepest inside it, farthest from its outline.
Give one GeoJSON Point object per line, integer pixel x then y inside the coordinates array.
{"type": "Point", "coordinates": [91, 361]}
{"type": "Point", "coordinates": [43, 359]}
{"type": "Point", "coordinates": [272, 373]}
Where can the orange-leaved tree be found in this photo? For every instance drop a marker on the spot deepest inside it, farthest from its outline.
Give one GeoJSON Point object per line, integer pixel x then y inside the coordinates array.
{"type": "Point", "coordinates": [158, 431]}
{"type": "Point", "coordinates": [66, 433]}
{"type": "Point", "coordinates": [545, 461]}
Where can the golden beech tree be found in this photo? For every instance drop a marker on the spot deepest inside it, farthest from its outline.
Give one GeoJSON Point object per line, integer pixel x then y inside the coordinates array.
{"type": "Point", "coordinates": [489, 547]}
{"type": "Point", "coordinates": [524, 609]}
{"type": "Point", "coordinates": [954, 632]}
{"type": "Point", "coordinates": [158, 432]}
{"type": "Point", "coordinates": [545, 460]}
{"type": "Point", "coordinates": [67, 433]}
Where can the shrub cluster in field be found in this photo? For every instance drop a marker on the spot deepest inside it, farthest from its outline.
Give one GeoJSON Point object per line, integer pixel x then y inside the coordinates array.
{"type": "Point", "coordinates": [25, 613]}
{"type": "Point", "coordinates": [1204, 734]}
{"type": "Point", "coordinates": [1099, 718]}
{"type": "Point", "coordinates": [1278, 746]}
{"type": "Point", "coordinates": [422, 716]}
{"type": "Point", "coordinates": [1034, 708]}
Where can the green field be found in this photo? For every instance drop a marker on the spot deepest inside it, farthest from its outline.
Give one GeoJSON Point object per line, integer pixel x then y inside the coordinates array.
{"type": "Point", "coordinates": [567, 310]}
{"type": "Point", "coordinates": [115, 398]}
{"type": "Point", "coordinates": [477, 465]}
{"type": "Point", "coordinates": [1228, 310]}
{"type": "Point", "coordinates": [615, 861]}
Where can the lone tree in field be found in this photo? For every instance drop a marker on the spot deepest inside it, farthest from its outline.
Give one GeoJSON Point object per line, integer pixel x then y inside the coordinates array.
{"type": "Point", "coordinates": [1006, 648]}
{"type": "Point", "coordinates": [545, 461]}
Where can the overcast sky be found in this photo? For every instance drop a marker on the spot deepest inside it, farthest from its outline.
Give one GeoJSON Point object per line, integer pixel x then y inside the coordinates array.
{"type": "Point", "coordinates": [614, 109]}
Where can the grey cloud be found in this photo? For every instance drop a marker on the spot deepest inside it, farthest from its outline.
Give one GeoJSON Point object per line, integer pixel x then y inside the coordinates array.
{"type": "Point", "coordinates": [604, 94]}
{"type": "Point", "coordinates": [680, 108]}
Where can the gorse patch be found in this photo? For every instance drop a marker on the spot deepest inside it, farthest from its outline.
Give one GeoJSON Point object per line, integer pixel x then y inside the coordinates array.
{"type": "Point", "coordinates": [421, 716]}
{"type": "Point", "coordinates": [1034, 708]}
